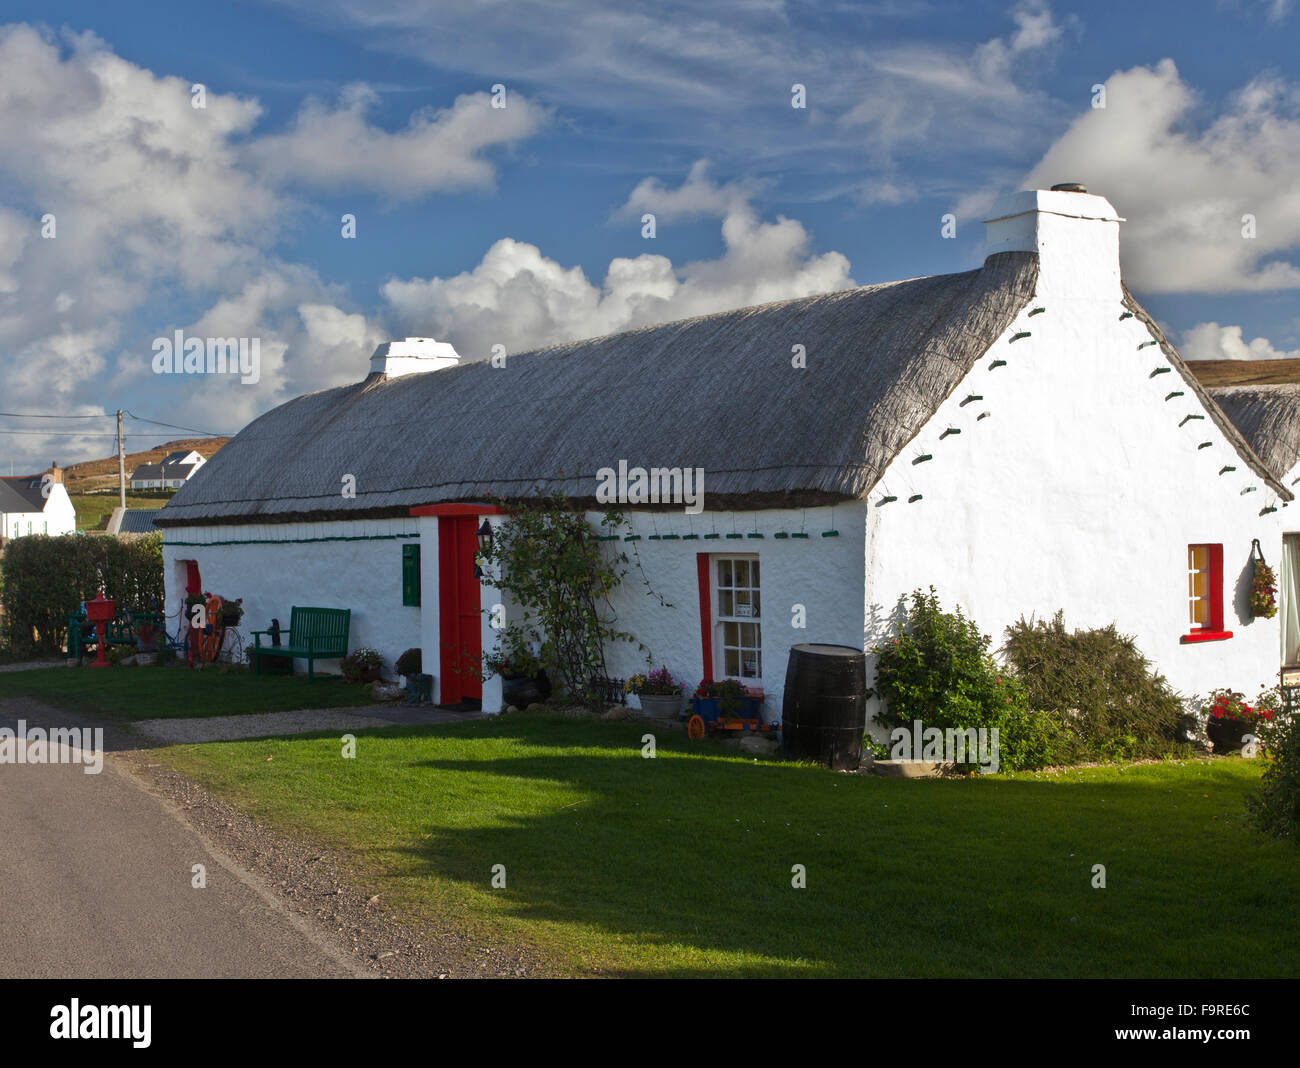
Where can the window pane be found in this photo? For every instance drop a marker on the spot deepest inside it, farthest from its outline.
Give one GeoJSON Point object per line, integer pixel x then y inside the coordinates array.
{"type": "Point", "coordinates": [748, 635]}
{"type": "Point", "coordinates": [731, 663]}
{"type": "Point", "coordinates": [724, 572]}
{"type": "Point", "coordinates": [1198, 557]}
{"type": "Point", "coordinates": [754, 599]}
{"type": "Point", "coordinates": [751, 666]}
{"type": "Point", "coordinates": [725, 606]}
{"type": "Point", "coordinates": [742, 604]}
{"type": "Point", "coordinates": [1199, 614]}
{"type": "Point", "coordinates": [1200, 584]}
{"type": "Point", "coordinates": [731, 634]}
{"type": "Point", "coordinates": [753, 573]}
{"type": "Point", "coordinates": [742, 572]}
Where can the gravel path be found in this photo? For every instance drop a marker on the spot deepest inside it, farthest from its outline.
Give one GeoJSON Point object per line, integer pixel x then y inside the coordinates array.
{"type": "Point", "coordinates": [256, 725]}
{"type": "Point", "coordinates": [29, 664]}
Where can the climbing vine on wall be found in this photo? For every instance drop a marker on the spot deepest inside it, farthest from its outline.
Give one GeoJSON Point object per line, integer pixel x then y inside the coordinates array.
{"type": "Point", "coordinates": [550, 559]}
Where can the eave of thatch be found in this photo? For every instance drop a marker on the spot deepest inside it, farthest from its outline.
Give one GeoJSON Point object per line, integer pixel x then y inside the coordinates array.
{"type": "Point", "coordinates": [716, 392]}
{"type": "Point", "coordinates": [1268, 417]}
{"type": "Point", "coordinates": [1236, 439]}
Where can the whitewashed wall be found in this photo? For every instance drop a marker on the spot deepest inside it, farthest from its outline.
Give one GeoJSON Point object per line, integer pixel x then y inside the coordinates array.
{"type": "Point", "coordinates": [272, 572]}
{"type": "Point", "coordinates": [823, 574]}
{"type": "Point", "coordinates": [1080, 490]}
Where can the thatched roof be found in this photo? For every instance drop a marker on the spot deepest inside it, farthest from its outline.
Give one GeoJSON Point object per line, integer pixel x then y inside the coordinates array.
{"type": "Point", "coordinates": [716, 392]}
{"type": "Point", "coordinates": [1268, 418]}
{"type": "Point", "coordinates": [1239, 441]}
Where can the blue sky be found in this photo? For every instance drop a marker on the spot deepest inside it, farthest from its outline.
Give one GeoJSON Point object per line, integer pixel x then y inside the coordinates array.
{"type": "Point", "coordinates": [521, 225]}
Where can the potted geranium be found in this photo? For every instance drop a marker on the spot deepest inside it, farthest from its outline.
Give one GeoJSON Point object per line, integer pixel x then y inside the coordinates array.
{"type": "Point", "coordinates": [362, 665]}
{"type": "Point", "coordinates": [1230, 719]}
{"type": "Point", "coordinates": [659, 693]}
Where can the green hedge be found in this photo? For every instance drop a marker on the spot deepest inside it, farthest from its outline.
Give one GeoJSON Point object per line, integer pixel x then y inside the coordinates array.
{"type": "Point", "coordinates": [44, 578]}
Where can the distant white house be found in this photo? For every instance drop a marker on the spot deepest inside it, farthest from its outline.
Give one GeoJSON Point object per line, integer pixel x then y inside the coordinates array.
{"type": "Point", "coordinates": [174, 470]}
{"type": "Point", "coordinates": [36, 504]}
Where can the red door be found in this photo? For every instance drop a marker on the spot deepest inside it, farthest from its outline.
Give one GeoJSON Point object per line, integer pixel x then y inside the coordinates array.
{"type": "Point", "coordinates": [459, 610]}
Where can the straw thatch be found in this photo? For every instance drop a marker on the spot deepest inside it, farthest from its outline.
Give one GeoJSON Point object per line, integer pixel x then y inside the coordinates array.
{"type": "Point", "coordinates": [717, 392]}
{"type": "Point", "coordinates": [1239, 442]}
{"type": "Point", "coordinates": [1268, 418]}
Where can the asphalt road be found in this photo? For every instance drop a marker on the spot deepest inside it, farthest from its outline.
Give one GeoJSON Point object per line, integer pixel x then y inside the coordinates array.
{"type": "Point", "coordinates": [95, 882]}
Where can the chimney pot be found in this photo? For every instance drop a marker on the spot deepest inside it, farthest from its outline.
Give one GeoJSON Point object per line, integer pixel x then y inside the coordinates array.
{"type": "Point", "coordinates": [1070, 187]}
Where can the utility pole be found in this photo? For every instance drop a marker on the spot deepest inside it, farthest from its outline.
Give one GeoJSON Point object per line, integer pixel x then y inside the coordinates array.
{"type": "Point", "coordinates": [121, 462]}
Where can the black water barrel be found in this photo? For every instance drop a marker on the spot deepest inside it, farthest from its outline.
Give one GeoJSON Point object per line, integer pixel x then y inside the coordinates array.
{"type": "Point", "coordinates": [824, 710]}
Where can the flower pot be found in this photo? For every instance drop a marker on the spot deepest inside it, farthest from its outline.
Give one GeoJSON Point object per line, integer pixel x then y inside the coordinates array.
{"type": "Point", "coordinates": [521, 692]}
{"type": "Point", "coordinates": [1226, 733]}
{"type": "Point", "coordinates": [660, 706]}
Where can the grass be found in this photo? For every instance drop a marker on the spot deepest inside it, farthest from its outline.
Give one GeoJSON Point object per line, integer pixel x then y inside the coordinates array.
{"type": "Point", "coordinates": [681, 864]}
{"type": "Point", "coordinates": [130, 693]}
{"type": "Point", "coordinates": [93, 509]}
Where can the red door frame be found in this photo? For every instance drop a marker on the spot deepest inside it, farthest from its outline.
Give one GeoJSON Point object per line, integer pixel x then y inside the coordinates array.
{"type": "Point", "coordinates": [459, 611]}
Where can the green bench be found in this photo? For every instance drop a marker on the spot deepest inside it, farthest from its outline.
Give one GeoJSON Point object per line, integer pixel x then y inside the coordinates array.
{"type": "Point", "coordinates": [314, 634]}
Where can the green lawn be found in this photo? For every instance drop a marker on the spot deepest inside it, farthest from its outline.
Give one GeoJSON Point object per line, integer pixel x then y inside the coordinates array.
{"type": "Point", "coordinates": [130, 693]}
{"type": "Point", "coordinates": [681, 865]}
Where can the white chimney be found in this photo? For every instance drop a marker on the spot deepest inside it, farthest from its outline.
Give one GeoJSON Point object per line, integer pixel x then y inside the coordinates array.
{"type": "Point", "coordinates": [412, 356]}
{"type": "Point", "coordinates": [1075, 234]}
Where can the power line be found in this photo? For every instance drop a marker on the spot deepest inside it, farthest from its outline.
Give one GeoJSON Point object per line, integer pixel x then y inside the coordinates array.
{"type": "Point", "coordinates": [173, 426]}
{"type": "Point", "coordinates": [42, 415]}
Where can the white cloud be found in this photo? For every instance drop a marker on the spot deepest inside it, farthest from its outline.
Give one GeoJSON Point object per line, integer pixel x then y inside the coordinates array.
{"type": "Point", "coordinates": [697, 196]}
{"type": "Point", "coordinates": [440, 150]}
{"type": "Point", "coordinates": [161, 217]}
{"type": "Point", "coordinates": [1210, 341]}
{"type": "Point", "coordinates": [519, 298]}
{"type": "Point", "coordinates": [936, 96]}
{"type": "Point", "coordinates": [1185, 189]}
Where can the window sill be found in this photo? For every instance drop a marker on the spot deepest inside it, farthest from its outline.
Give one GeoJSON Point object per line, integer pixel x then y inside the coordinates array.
{"type": "Point", "coordinates": [1206, 636]}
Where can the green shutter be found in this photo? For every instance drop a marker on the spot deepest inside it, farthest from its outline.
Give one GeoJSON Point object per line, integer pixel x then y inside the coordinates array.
{"type": "Point", "coordinates": [411, 575]}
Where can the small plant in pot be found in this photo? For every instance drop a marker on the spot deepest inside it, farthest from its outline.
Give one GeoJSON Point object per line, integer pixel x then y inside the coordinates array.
{"type": "Point", "coordinates": [232, 612]}
{"type": "Point", "coordinates": [522, 671]}
{"type": "Point", "coordinates": [362, 665]}
{"type": "Point", "coordinates": [409, 664]}
{"type": "Point", "coordinates": [659, 693]}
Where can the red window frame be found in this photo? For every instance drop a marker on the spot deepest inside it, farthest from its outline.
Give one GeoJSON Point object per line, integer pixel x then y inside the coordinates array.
{"type": "Point", "coordinates": [1212, 631]}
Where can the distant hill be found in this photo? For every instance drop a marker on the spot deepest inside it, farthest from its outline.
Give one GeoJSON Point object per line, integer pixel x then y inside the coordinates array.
{"type": "Point", "coordinates": [91, 476]}
{"type": "Point", "coordinates": [1245, 372]}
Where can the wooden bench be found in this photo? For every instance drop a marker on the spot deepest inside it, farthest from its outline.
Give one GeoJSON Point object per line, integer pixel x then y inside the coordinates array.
{"type": "Point", "coordinates": [314, 634]}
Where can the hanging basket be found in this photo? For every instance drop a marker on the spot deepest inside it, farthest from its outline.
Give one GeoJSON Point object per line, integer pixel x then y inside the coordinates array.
{"type": "Point", "coordinates": [1263, 586]}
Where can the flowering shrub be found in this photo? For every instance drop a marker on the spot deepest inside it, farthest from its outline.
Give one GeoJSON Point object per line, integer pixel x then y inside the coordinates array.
{"type": "Point", "coordinates": [656, 684]}
{"type": "Point", "coordinates": [358, 662]}
{"type": "Point", "coordinates": [1263, 592]}
{"type": "Point", "coordinates": [1275, 809]}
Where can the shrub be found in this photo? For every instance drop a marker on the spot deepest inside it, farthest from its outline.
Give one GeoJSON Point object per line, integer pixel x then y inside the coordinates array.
{"type": "Point", "coordinates": [938, 670]}
{"type": "Point", "coordinates": [411, 662]}
{"type": "Point", "coordinates": [1275, 809]}
{"type": "Point", "coordinates": [1107, 701]}
{"type": "Point", "coordinates": [44, 578]}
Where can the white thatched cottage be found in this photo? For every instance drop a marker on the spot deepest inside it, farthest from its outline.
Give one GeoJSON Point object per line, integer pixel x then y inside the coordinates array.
{"type": "Point", "coordinates": [1020, 436]}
